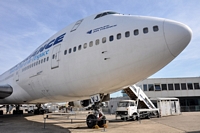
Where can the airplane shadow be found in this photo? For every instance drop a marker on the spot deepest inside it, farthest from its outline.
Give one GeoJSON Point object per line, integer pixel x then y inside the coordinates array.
{"type": "Point", "coordinates": [32, 124]}
{"type": "Point", "coordinates": [193, 132]}
{"type": "Point", "coordinates": [19, 124]}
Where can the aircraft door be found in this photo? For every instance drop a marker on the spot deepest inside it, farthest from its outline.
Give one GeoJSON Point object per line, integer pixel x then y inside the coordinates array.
{"type": "Point", "coordinates": [55, 57]}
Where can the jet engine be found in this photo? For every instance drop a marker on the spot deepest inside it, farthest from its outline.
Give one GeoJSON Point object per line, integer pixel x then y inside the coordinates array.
{"type": "Point", "coordinates": [5, 91]}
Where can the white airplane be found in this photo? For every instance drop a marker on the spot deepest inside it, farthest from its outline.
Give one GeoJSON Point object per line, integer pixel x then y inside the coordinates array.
{"type": "Point", "coordinates": [94, 56]}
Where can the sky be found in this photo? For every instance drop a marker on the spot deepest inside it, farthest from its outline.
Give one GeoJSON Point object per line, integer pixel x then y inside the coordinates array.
{"type": "Point", "coordinates": [26, 24]}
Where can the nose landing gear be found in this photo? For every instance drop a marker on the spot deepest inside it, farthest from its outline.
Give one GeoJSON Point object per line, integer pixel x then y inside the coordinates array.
{"type": "Point", "coordinates": [97, 118]}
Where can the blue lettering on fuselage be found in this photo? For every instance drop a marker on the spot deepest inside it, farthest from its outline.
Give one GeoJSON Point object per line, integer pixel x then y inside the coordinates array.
{"type": "Point", "coordinates": [50, 44]}
{"type": "Point", "coordinates": [101, 28]}
{"type": "Point", "coordinates": [40, 52]}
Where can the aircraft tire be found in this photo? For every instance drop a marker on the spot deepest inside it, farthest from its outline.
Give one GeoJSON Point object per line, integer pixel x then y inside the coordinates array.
{"type": "Point", "coordinates": [91, 120]}
{"type": "Point", "coordinates": [102, 121]}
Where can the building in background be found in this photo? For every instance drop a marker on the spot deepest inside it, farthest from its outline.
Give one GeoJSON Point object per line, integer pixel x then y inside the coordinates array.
{"type": "Point", "coordinates": [186, 89]}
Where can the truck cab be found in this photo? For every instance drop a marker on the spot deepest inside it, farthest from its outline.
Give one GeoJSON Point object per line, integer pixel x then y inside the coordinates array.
{"type": "Point", "coordinates": [127, 109]}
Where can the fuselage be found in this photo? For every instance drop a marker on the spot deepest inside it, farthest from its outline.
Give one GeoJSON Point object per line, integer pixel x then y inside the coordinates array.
{"type": "Point", "coordinates": [101, 53]}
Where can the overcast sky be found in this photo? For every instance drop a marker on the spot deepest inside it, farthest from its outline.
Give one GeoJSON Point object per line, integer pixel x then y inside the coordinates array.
{"type": "Point", "coordinates": [26, 24]}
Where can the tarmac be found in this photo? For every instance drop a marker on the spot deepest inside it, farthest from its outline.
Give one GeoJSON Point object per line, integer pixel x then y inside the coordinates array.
{"type": "Point", "coordinates": [187, 122]}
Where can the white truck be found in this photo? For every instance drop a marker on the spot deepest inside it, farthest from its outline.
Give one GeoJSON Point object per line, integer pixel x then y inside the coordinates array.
{"type": "Point", "coordinates": [128, 109]}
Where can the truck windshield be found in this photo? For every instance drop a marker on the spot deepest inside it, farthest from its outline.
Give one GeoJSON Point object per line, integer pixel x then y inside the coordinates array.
{"type": "Point", "coordinates": [123, 104]}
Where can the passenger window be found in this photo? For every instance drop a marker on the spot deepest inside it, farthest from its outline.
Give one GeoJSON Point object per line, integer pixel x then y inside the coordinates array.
{"type": "Point", "coordinates": [85, 46]}
{"type": "Point", "coordinates": [155, 28]}
{"type": "Point", "coordinates": [52, 57]}
{"type": "Point", "coordinates": [74, 49]}
{"type": "Point", "coordinates": [145, 30]}
{"type": "Point", "coordinates": [47, 58]}
{"type": "Point", "coordinates": [119, 36]}
{"type": "Point", "coordinates": [65, 52]}
{"type": "Point", "coordinates": [39, 62]}
{"type": "Point", "coordinates": [79, 47]}
{"type": "Point", "coordinates": [111, 38]}
{"type": "Point", "coordinates": [44, 59]}
{"type": "Point", "coordinates": [36, 63]}
{"type": "Point", "coordinates": [136, 32]}
{"type": "Point", "coordinates": [91, 44]}
{"type": "Point", "coordinates": [97, 42]}
{"type": "Point", "coordinates": [104, 40]}
{"type": "Point", "coordinates": [127, 34]}
{"type": "Point", "coordinates": [70, 50]}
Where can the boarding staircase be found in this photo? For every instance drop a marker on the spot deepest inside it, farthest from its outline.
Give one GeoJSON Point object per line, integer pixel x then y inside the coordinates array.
{"type": "Point", "coordinates": [137, 94]}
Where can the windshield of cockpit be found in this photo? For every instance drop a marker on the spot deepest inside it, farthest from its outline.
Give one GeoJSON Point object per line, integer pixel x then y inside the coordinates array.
{"type": "Point", "coordinates": [104, 14]}
{"type": "Point", "coordinates": [123, 104]}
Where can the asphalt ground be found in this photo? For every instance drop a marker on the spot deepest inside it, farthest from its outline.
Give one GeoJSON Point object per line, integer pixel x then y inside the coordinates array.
{"type": "Point", "coordinates": [188, 122]}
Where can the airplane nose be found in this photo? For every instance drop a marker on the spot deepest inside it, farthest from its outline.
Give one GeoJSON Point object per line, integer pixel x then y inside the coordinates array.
{"type": "Point", "coordinates": [177, 36]}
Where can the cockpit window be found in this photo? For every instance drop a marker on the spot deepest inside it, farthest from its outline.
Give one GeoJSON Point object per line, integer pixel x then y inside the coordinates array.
{"type": "Point", "coordinates": [104, 14]}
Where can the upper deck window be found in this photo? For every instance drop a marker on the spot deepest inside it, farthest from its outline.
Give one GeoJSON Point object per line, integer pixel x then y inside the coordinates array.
{"type": "Point", "coordinates": [155, 28]}
{"type": "Point", "coordinates": [104, 14]}
{"type": "Point", "coordinates": [127, 34]}
{"type": "Point", "coordinates": [111, 38]}
{"type": "Point", "coordinates": [79, 47]}
{"type": "Point", "coordinates": [145, 30]}
{"type": "Point", "coordinates": [118, 36]}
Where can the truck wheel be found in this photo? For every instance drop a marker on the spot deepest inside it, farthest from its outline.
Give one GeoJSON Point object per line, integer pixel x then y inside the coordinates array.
{"type": "Point", "coordinates": [148, 116]}
{"type": "Point", "coordinates": [91, 120]}
{"type": "Point", "coordinates": [134, 117]}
